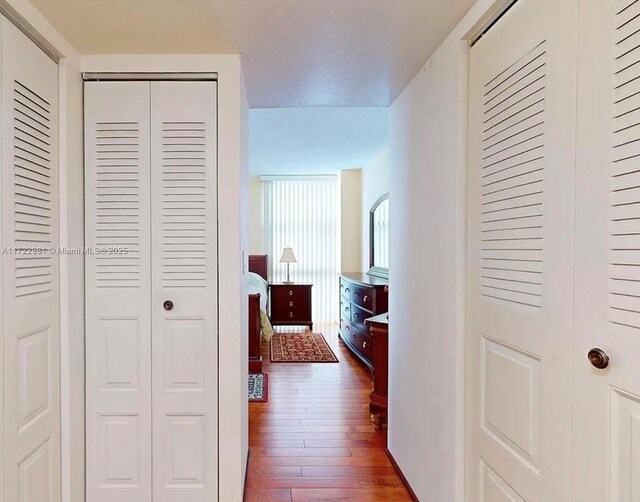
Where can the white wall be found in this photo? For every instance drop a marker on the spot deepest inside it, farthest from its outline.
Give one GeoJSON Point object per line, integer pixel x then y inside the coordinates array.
{"type": "Point", "coordinates": [351, 220]}
{"type": "Point", "coordinates": [375, 182]}
{"type": "Point", "coordinates": [427, 288]}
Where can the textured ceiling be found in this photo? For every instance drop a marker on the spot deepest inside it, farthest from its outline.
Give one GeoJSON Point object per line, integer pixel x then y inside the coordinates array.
{"type": "Point", "coordinates": [295, 52]}
{"type": "Point", "coordinates": [315, 140]}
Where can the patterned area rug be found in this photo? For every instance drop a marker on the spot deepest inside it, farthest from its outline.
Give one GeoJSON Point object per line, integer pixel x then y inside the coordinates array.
{"type": "Point", "coordinates": [304, 347]}
{"type": "Point", "coordinates": [258, 387]}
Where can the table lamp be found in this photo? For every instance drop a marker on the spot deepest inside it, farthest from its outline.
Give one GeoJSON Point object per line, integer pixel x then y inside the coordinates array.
{"type": "Point", "coordinates": [288, 257]}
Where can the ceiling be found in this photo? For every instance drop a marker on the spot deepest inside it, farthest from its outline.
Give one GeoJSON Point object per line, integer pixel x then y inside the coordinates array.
{"type": "Point", "coordinates": [315, 140]}
{"type": "Point", "coordinates": [296, 53]}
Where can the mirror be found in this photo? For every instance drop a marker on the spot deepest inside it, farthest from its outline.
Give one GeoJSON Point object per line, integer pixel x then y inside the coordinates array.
{"type": "Point", "coordinates": [379, 238]}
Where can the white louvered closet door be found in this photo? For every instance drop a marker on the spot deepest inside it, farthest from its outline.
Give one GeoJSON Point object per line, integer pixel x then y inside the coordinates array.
{"type": "Point", "coordinates": [607, 307]}
{"type": "Point", "coordinates": [118, 289]}
{"type": "Point", "coordinates": [184, 272]}
{"type": "Point", "coordinates": [31, 363]}
{"type": "Point", "coordinates": [151, 347]}
{"type": "Point", "coordinates": [520, 268]}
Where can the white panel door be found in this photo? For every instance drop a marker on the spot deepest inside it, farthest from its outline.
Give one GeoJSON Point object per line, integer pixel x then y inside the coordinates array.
{"type": "Point", "coordinates": [184, 256]}
{"type": "Point", "coordinates": [30, 270]}
{"type": "Point", "coordinates": [520, 234]}
{"type": "Point", "coordinates": [118, 289]}
{"type": "Point", "coordinates": [607, 401]}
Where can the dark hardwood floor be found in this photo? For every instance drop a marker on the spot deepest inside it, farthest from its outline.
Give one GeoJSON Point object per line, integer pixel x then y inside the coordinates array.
{"type": "Point", "coordinates": [314, 439]}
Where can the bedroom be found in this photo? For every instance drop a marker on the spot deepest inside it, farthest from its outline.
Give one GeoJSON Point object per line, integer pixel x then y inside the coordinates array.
{"type": "Point", "coordinates": [315, 177]}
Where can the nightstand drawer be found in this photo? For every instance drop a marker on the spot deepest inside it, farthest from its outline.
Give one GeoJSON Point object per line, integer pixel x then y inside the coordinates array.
{"type": "Point", "coordinates": [282, 312]}
{"type": "Point", "coordinates": [291, 291]}
{"type": "Point", "coordinates": [286, 304]}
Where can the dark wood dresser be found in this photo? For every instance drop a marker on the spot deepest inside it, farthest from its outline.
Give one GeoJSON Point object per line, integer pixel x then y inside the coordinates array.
{"type": "Point", "coordinates": [361, 297]}
{"type": "Point", "coordinates": [291, 305]}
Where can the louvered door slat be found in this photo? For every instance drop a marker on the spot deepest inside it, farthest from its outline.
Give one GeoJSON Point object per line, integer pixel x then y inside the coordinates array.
{"type": "Point", "coordinates": [512, 189]}
{"type": "Point", "coordinates": [624, 281]}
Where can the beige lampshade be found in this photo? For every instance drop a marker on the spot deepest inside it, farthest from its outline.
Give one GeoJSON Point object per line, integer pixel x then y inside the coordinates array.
{"type": "Point", "coordinates": [288, 256]}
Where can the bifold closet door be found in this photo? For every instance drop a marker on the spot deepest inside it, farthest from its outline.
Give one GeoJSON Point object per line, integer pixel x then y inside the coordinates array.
{"type": "Point", "coordinates": [30, 317]}
{"type": "Point", "coordinates": [118, 289]}
{"type": "Point", "coordinates": [184, 282]}
{"type": "Point", "coordinates": [520, 259]}
{"type": "Point", "coordinates": [151, 303]}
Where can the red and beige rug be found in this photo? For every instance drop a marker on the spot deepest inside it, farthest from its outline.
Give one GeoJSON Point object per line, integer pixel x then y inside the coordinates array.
{"type": "Point", "coordinates": [304, 347]}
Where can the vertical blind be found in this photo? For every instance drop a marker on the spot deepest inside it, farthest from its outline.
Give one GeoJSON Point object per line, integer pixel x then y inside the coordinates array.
{"type": "Point", "coordinates": [302, 213]}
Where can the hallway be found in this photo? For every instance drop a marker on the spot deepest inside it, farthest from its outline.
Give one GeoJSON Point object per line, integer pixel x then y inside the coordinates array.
{"type": "Point", "coordinates": [314, 439]}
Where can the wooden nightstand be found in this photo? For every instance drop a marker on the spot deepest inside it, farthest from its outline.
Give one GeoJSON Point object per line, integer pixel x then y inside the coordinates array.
{"type": "Point", "coordinates": [291, 305]}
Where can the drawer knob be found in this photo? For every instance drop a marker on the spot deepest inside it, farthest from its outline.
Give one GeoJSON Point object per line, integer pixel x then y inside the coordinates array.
{"type": "Point", "coordinates": [356, 315]}
{"type": "Point", "coordinates": [290, 304]}
{"type": "Point", "coordinates": [290, 293]}
{"type": "Point", "coordinates": [365, 298]}
{"type": "Point", "coordinates": [168, 305]}
{"type": "Point", "coordinates": [290, 314]}
{"type": "Point", "coordinates": [364, 345]}
{"type": "Point", "coordinates": [346, 290]}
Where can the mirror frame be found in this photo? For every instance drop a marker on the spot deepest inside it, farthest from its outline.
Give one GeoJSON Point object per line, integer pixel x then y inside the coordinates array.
{"type": "Point", "coordinates": [374, 270]}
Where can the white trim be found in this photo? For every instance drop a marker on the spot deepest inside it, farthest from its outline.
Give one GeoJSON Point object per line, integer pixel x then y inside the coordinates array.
{"type": "Point", "coordinates": [146, 77]}
{"type": "Point", "coordinates": [25, 27]}
{"type": "Point", "coordinates": [299, 177]}
{"type": "Point", "coordinates": [490, 18]}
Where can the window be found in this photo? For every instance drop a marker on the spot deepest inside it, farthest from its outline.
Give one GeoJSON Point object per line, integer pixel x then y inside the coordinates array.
{"type": "Point", "coordinates": [301, 212]}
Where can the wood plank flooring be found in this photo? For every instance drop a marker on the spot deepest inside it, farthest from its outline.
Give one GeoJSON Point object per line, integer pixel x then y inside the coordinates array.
{"type": "Point", "coordinates": [314, 439]}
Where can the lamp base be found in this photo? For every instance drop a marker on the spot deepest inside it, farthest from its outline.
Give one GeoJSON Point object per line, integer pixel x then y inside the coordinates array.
{"type": "Point", "coordinates": [288, 282]}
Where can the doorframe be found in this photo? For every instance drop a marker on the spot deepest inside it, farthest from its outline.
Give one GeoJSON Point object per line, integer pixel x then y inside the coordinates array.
{"type": "Point", "coordinates": [232, 304]}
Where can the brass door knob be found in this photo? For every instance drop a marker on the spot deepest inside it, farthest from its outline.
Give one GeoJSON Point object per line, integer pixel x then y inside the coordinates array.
{"type": "Point", "coordinates": [168, 305]}
{"type": "Point", "coordinates": [598, 358]}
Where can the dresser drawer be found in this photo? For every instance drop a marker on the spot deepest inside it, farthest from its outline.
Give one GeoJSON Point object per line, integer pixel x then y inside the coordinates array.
{"type": "Point", "coordinates": [346, 288]}
{"type": "Point", "coordinates": [358, 317]}
{"type": "Point", "coordinates": [362, 296]}
{"type": "Point", "coordinates": [360, 342]}
{"type": "Point", "coordinates": [345, 309]}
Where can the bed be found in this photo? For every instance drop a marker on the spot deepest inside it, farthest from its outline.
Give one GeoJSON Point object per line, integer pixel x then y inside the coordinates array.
{"type": "Point", "coordinates": [259, 325]}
